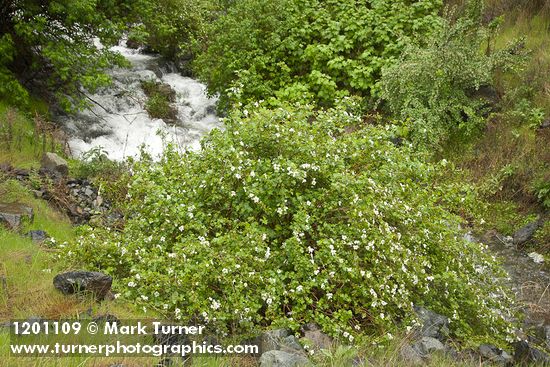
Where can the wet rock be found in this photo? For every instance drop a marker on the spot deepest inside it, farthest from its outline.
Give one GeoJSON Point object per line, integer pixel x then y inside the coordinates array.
{"type": "Point", "coordinates": [84, 281]}
{"type": "Point", "coordinates": [409, 355]}
{"type": "Point", "coordinates": [495, 355]}
{"type": "Point", "coordinates": [428, 345]}
{"type": "Point", "coordinates": [51, 162]}
{"type": "Point", "coordinates": [525, 234]}
{"type": "Point", "coordinates": [524, 354]}
{"type": "Point", "coordinates": [279, 358]}
{"type": "Point", "coordinates": [14, 214]}
{"type": "Point", "coordinates": [37, 236]}
{"type": "Point", "coordinates": [315, 335]}
{"type": "Point", "coordinates": [433, 325]}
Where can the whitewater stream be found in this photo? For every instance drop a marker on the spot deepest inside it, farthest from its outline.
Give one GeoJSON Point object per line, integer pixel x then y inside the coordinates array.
{"type": "Point", "coordinates": [118, 124]}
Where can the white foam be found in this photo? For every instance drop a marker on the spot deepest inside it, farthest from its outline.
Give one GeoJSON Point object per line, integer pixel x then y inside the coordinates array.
{"type": "Point", "coordinates": [119, 124]}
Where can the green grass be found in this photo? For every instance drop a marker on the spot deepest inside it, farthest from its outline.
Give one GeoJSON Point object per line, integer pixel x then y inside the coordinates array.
{"type": "Point", "coordinates": [23, 140]}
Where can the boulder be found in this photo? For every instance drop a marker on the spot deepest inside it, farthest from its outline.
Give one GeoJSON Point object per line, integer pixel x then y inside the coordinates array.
{"type": "Point", "coordinates": [53, 163]}
{"type": "Point", "coordinates": [494, 355]}
{"type": "Point", "coordinates": [279, 358]}
{"type": "Point", "coordinates": [279, 339]}
{"type": "Point", "coordinates": [37, 236]}
{"type": "Point", "coordinates": [524, 354]}
{"type": "Point", "coordinates": [433, 325]}
{"type": "Point", "coordinates": [13, 215]}
{"type": "Point", "coordinates": [315, 335]}
{"type": "Point", "coordinates": [428, 345]}
{"type": "Point", "coordinates": [272, 339]}
{"type": "Point", "coordinates": [525, 234]}
{"type": "Point", "coordinates": [84, 281]}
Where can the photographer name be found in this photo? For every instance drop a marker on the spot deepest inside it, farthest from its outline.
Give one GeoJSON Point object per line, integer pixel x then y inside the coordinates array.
{"type": "Point", "coordinates": [156, 327]}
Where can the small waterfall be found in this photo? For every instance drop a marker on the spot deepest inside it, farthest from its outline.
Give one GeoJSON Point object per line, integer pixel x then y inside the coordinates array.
{"type": "Point", "coordinates": [118, 123]}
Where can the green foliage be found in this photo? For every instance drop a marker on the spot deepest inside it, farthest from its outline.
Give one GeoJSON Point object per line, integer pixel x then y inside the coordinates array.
{"type": "Point", "coordinates": [287, 217]}
{"type": "Point", "coordinates": [308, 50]}
{"type": "Point", "coordinates": [49, 46]}
{"type": "Point", "coordinates": [541, 188]}
{"type": "Point", "coordinates": [171, 27]}
{"type": "Point", "coordinates": [435, 88]}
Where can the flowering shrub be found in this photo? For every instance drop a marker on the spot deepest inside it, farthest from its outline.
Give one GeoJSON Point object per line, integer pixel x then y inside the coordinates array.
{"type": "Point", "coordinates": [295, 215]}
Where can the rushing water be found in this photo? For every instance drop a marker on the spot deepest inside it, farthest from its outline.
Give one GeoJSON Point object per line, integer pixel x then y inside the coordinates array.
{"type": "Point", "coordinates": [118, 123]}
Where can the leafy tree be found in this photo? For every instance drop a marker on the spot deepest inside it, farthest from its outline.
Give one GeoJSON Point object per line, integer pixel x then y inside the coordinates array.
{"type": "Point", "coordinates": [308, 50]}
{"type": "Point", "coordinates": [50, 46]}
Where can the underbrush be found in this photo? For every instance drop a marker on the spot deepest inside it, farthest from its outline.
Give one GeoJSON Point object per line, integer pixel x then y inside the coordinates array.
{"type": "Point", "coordinates": [279, 221]}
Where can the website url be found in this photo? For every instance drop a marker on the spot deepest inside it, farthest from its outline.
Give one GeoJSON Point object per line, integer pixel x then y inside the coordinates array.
{"type": "Point", "coordinates": [120, 349]}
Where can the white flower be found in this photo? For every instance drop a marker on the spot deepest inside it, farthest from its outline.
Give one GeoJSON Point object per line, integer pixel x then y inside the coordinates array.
{"type": "Point", "coordinates": [329, 295]}
{"type": "Point", "coordinates": [269, 301]}
{"type": "Point", "coordinates": [144, 297]}
{"type": "Point", "coordinates": [233, 193]}
{"type": "Point", "coordinates": [131, 284]}
{"type": "Point", "coordinates": [215, 305]}
{"type": "Point", "coordinates": [181, 228]}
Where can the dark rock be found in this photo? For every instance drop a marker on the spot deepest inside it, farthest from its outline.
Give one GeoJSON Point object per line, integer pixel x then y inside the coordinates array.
{"type": "Point", "coordinates": [83, 281]}
{"type": "Point", "coordinates": [37, 236]}
{"type": "Point", "coordinates": [14, 214]}
{"type": "Point", "coordinates": [433, 325]}
{"type": "Point", "coordinates": [545, 124]}
{"type": "Point", "coordinates": [51, 162]}
{"type": "Point", "coordinates": [525, 354]}
{"type": "Point", "coordinates": [133, 44]}
{"type": "Point", "coordinates": [428, 345]}
{"type": "Point", "coordinates": [21, 174]}
{"type": "Point", "coordinates": [494, 354]}
{"type": "Point", "coordinates": [279, 358]}
{"type": "Point", "coordinates": [525, 234]}
{"type": "Point", "coordinates": [315, 335]}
